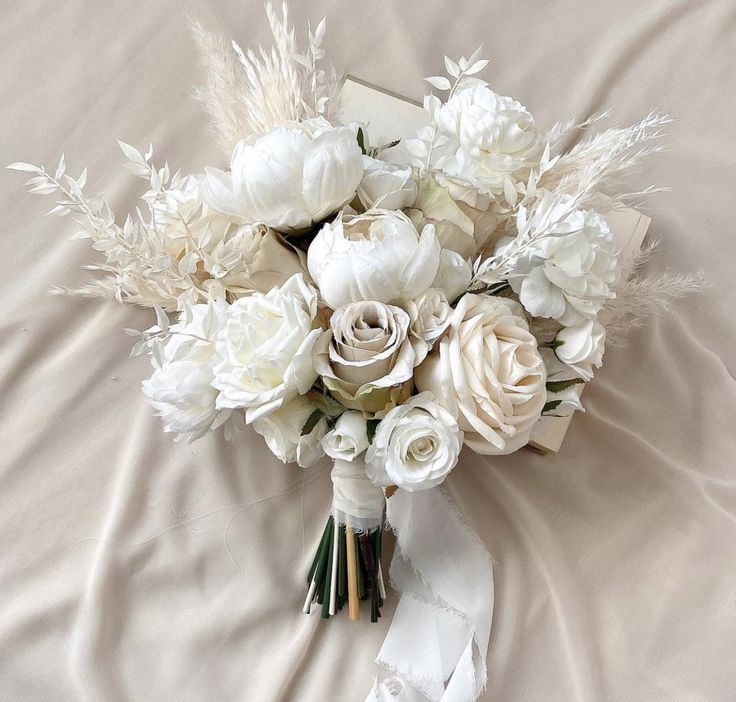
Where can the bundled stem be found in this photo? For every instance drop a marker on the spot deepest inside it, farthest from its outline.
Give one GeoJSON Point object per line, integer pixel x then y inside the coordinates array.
{"type": "Point", "coordinates": [346, 569]}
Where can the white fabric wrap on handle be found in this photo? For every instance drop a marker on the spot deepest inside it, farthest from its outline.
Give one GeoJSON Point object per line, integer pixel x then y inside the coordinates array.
{"type": "Point", "coordinates": [436, 645]}
{"type": "Point", "coordinates": [356, 501]}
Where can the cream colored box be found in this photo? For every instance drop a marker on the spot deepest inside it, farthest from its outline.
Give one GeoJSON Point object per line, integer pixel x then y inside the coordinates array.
{"type": "Point", "coordinates": [389, 117]}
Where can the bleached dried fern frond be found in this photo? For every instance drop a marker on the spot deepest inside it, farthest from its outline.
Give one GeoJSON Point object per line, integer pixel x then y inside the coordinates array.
{"type": "Point", "coordinates": [592, 171]}
{"type": "Point", "coordinates": [249, 91]}
{"type": "Point", "coordinates": [637, 297]}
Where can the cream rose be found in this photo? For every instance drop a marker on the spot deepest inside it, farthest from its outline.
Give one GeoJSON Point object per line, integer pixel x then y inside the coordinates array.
{"type": "Point", "coordinates": [282, 430]}
{"type": "Point", "coordinates": [266, 349]}
{"type": "Point", "coordinates": [488, 372]}
{"type": "Point", "coordinates": [348, 439]}
{"type": "Point", "coordinates": [369, 363]}
{"type": "Point", "coordinates": [374, 256]}
{"type": "Point", "coordinates": [431, 315]}
{"type": "Point", "coordinates": [415, 446]}
{"type": "Point", "coordinates": [582, 346]}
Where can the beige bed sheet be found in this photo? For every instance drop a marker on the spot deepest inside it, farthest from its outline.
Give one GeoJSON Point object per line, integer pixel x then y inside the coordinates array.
{"type": "Point", "coordinates": [135, 568]}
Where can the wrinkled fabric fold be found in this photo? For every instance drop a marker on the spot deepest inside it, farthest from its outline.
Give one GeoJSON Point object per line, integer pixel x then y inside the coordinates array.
{"type": "Point", "coordinates": [436, 646]}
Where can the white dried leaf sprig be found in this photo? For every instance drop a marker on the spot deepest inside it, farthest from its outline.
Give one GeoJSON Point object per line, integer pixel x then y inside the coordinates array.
{"type": "Point", "coordinates": [427, 138]}
{"type": "Point", "coordinates": [138, 267]}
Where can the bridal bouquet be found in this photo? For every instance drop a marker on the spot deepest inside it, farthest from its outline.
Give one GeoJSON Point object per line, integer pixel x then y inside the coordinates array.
{"type": "Point", "coordinates": [383, 304]}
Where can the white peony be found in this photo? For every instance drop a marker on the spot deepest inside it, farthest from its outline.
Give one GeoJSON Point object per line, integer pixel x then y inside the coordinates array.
{"type": "Point", "coordinates": [369, 363]}
{"type": "Point", "coordinates": [266, 349]}
{"type": "Point", "coordinates": [348, 439]}
{"type": "Point", "coordinates": [569, 269]}
{"type": "Point", "coordinates": [415, 446]}
{"type": "Point", "coordinates": [282, 431]}
{"type": "Point", "coordinates": [431, 314]}
{"type": "Point", "coordinates": [582, 346]}
{"type": "Point", "coordinates": [180, 389]}
{"type": "Point", "coordinates": [488, 372]}
{"type": "Point", "coordinates": [289, 178]}
{"type": "Point", "coordinates": [386, 186]}
{"type": "Point", "coordinates": [490, 140]}
{"type": "Point", "coordinates": [374, 256]}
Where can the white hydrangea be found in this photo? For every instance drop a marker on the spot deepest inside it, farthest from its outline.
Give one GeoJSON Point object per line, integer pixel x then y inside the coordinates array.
{"type": "Point", "coordinates": [564, 262]}
{"type": "Point", "coordinates": [180, 388]}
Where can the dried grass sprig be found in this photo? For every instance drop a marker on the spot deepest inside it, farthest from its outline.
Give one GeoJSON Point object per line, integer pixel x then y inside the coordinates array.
{"type": "Point", "coordinates": [639, 297]}
{"type": "Point", "coordinates": [251, 91]}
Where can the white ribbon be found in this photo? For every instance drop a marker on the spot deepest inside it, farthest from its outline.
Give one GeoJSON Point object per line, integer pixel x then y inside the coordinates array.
{"type": "Point", "coordinates": [356, 501]}
{"type": "Point", "coordinates": [436, 645]}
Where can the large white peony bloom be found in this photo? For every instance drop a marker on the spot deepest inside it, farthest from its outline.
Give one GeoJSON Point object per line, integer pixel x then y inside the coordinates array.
{"type": "Point", "coordinates": [491, 140]}
{"type": "Point", "coordinates": [289, 178]}
{"type": "Point", "coordinates": [488, 372]}
{"type": "Point", "coordinates": [369, 363]}
{"type": "Point", "coordinates": [282, 431]}
{"type": "Point", "coordinates": [570, 267]}
{"type": "Point", "coordinates": [416, 445]}
{"type": "Point", "coordinates": [374, 256]}
{"type": "Point", "coordinates": [181, 389]}
{"type": "Point", "coordinates": [266, 347]}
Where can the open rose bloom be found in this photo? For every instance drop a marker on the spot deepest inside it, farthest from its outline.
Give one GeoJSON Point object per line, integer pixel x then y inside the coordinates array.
{"type": "Point", "coordinates": [382, 306]}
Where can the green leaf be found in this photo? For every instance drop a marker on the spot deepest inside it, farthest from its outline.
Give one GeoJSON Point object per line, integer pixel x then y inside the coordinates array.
{"type": "Point", "coordinates": [550, 406]}
{"type": "Point", "coordinates": [554, 344]}
{"type": "Point", "coordinates": [312, 422]}
{"type": "Point", "coordinates": [326, 405]}
{"type": "Point", "coordinates": [560, 385]}
{"type": "Point", "coordinates": [370, 427]}
{"type": "Point", "coordinates": [361, 141]}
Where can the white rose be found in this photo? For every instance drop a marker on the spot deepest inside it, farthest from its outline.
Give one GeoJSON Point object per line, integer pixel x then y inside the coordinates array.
{"type": "Point", "coordinates": [566, 399]}
{"type": "Point", "coordinates": [570, 270]}
{"type": "Point", "coordinates": [374, 256]}
{"type": "Point", "coordinates": [289, 178]}
{"type": "Point", "coordinates": [386, 186]}
{"type": "Point", "coordinates": [488, 372]}
{"type": "Point", "coordinates": [369, 363]}
{"type": "Point", "coordinates": [453, 275]}
{"type": "Point", "coordinates": [253, 257]}
{"type": "Point", "coordinates": [431, 315]}
{"type": "Point", "coordinates": [282, 431]}
{"type": "Point", "coordinates": [415, 446]}
{"type": "Point", "coordinates": [490, 140]}
{"type": "Point", "coordinates": [181, 389]}
{"type": "Point", "coordinates": [266, 349]}
{"type": "Point", "coordinates": [582, 347]}
{"type": "Point", "coordinates": [348, 439]}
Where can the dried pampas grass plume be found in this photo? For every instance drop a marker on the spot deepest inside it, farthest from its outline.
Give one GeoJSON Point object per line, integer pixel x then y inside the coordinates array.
{"type": "Point", "coordinates": [638, 297]}
{"type": "Point", "coordinates": [249, 91]}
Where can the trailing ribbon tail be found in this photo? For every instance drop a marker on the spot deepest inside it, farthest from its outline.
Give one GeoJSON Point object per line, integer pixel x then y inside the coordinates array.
{"type": "Point", "coordinates": [435, 649]}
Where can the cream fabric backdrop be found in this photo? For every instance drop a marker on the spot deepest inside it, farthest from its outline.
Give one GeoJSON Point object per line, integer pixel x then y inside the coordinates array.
{"type": "Point", "coordinates": [133, 568]}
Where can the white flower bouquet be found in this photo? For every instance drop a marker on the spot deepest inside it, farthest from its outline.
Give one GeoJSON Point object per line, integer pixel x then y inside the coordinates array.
{"type": "Point", "coordinates": [383, 304]}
